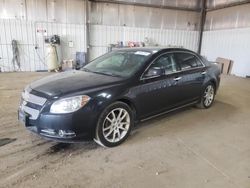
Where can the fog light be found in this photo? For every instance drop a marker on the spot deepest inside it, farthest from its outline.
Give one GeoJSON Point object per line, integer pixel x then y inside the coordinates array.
{"type": "Point", "coordinates": [49, 131]}
{"type": "Point", "coordinates": [66, 133]}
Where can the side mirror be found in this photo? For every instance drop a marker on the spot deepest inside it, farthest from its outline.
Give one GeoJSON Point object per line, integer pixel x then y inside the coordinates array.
{"type": "Point", "coordinates": [154, 71]}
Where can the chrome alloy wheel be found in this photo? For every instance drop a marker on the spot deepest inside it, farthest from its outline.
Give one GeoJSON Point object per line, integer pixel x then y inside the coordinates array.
{"type": "Point", "coordinates": [208, 95]}
{"type": "Point", "coordinates": [116, 125]}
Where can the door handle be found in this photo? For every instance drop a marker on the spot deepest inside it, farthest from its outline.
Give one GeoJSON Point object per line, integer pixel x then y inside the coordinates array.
{"type": "Point", "coordinates": [204, 72]}
{"type": "Point", "coordinates": [177, 78]}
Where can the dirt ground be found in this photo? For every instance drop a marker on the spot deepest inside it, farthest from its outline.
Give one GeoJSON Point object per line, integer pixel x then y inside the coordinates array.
{"type": "Point", "coordinates": [191, 148]}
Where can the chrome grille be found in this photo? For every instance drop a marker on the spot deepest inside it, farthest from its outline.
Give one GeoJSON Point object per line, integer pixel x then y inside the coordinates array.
{"type": "Point", "coordinates": [33, 98]}
{"type": "Point", "coordinates": [32, 112]}
{"type": "Point", "coordinates": [30, 98]}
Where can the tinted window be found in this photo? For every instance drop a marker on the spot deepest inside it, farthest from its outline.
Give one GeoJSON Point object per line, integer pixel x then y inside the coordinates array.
{"type": "Point", "coordinates": [166, 62]}
{"type": "Point", "coordinates": [187, 61]}
{"type": "Point", "coordinates": [118, 63]}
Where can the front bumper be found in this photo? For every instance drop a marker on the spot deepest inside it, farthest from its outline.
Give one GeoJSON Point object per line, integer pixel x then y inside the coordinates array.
{"type": "Point", "coordinates": [72, 127]}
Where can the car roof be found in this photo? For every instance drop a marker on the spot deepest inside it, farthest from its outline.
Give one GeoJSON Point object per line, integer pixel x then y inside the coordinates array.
{"type": "Point", "coordinates": [153, 49]}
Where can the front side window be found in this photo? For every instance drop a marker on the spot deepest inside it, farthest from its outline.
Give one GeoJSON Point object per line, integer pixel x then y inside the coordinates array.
{"type": "Point", "coordinates": [167, 63]}
{"type": "Point", "coordinates": [118, 63]}
{"type": "Point", "coordinates": [187, 61]}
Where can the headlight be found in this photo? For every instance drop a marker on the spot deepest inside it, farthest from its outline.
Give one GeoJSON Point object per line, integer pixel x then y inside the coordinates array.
{"type": "Point", "coordinates": [70, 104]}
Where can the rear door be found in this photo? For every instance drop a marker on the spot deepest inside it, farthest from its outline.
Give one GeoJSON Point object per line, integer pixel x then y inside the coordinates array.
{"type": "Point", "coordinates": [192, 76]}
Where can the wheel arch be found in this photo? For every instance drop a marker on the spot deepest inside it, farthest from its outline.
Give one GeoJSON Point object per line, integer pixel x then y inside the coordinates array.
{"type": "Point", "coordinates": [130, 103]}
{"type": "Point", "coordinates": [213, 81]}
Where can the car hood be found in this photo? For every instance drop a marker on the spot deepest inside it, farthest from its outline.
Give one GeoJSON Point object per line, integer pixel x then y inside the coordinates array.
{"type": "Point", "coordinates": [72, 81]}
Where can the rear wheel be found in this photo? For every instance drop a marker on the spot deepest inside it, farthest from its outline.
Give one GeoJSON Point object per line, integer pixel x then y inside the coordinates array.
{"type": "Point", "coordinates": [114, 125]}
{"type": "Point", "coordinates": [207, 97]}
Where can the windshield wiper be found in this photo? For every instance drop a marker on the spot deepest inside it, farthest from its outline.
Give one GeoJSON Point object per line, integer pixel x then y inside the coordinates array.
{"type": "Point", "coordinates": [101, 72]}
{"type": "Point", "coordinates": [109, 74]}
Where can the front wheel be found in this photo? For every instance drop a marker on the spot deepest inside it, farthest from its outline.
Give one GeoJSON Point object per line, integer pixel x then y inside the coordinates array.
{"type": "Point", "coordinates": [114, 125]}
{"type": "Point", "coordinates": [207, 97]}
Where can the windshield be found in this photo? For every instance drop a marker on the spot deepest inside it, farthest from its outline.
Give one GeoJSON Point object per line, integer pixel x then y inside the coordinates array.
{"type": "Point", "coordinates": [118, 63]}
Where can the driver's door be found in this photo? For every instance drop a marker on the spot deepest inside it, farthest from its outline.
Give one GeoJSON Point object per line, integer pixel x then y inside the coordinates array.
{"type": "Point", "coordinates": [157, 93]}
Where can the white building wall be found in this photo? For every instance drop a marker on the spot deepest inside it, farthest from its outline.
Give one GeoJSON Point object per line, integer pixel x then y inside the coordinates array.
{"type": "Point", "coordinates": [109, 23]}
{"type": "Point", "coordinates": [230, 43]}
{"type": "Point", "coordinates": [227, 35]}
{"type": "Point", "coordinates": [20, 20]}
{"type": "Point", "coordinates": [102, 36]}
{"type": "Point", "coordinates": [25, 32]}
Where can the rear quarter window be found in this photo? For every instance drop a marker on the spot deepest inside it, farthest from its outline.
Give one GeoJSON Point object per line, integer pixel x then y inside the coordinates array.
{"type": "Point", "coordinates": [187, 60]}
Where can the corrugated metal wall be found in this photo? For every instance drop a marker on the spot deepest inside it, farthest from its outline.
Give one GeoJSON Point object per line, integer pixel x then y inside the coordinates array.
{"type": "Point", "coordinates": [63, 11]}
{"type": "Point", "coordinates": [227, 34]}
{"type": "Point", "coordinates": [102, 36]}
{"type": "Point", "coordinates": [111, 23]}
{"type": "Point", "coordinates": [21, 19]}
{"type": "Point", "coordinates": [232, 44]}
{"type": "Point", "coordinates": [25, 32]}
{"type": "Point", "coordinates": [145, 17]}
{"type": "Point", "coordinates": [229, 18]}
{"type": "Point", "coordinates": [220, 3]}
{"type": "Point", "coordinates": [194, 4]}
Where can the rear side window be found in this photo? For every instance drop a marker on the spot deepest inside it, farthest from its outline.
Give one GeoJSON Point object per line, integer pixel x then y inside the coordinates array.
{"type": "Point", "coordinates": [167, 63]}
{"type": "Point", "coordinates": [187, 61]}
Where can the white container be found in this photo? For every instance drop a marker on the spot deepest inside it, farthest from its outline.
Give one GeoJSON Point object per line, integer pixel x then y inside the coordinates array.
{"type": "Point", "coordinates": [53, 57]}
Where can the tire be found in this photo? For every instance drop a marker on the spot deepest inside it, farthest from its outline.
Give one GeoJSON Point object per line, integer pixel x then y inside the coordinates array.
{"type": "Point", "coordinates": [207, 97]}
{"type": "Point", "coordinates": [111, 130]}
